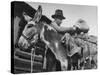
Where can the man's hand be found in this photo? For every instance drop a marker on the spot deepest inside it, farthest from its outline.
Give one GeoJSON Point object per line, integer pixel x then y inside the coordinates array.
{"type": "Point", "coordinates": [75, 27]}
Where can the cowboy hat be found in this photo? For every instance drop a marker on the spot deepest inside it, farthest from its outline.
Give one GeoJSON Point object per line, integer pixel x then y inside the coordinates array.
{"type": "Point", "coordinates": [58, 14]}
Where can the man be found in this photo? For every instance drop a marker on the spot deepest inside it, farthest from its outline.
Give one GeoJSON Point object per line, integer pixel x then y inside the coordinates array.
{"type": "Point", "coordinates": [79, 29]}
{"type": "Point", "coordinates": [58, 18]}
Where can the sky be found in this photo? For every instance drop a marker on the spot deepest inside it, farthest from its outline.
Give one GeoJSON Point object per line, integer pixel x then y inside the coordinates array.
{"type": "Point", "coordinates": [72, 14]}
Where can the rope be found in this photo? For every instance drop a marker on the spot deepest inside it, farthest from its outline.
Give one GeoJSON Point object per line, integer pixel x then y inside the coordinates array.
{"type": "Point", "coordinates": [32, 58]}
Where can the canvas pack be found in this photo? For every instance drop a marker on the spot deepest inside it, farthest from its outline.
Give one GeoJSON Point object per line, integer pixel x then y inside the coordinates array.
{"type": "Point", "coordinates": [48, 37]}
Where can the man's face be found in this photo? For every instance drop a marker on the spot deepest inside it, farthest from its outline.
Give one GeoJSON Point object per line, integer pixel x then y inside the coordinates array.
{"type": "Point", "coordinates": [58, 21]}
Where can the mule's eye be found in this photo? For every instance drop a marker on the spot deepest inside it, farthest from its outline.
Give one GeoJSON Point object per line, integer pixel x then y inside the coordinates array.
{"type": "Point", "coordinates": [30, 25]}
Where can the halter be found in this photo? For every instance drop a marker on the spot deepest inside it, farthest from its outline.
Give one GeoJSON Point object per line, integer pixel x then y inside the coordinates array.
{"type": "Point", "coordinates": [25, 37]}
{"type": "Point", "coordinates": [30, 38]}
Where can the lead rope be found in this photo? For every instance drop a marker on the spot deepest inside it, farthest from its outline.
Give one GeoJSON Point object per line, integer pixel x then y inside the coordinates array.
{"type": "Point", "coordinates": [32, 58]}
{"type": "Point", "coordinates": [45, 60]}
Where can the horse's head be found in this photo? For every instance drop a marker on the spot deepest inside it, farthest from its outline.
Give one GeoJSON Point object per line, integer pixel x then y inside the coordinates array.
{"type": "Point", "coordinates": [31, 29]}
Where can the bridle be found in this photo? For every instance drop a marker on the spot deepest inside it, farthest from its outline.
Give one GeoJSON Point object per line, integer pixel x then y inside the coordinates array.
{"type": "Point", "coordinates": [30, 38]}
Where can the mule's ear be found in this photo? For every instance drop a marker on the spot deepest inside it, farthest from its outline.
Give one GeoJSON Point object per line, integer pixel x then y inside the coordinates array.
{"type": "Point", "coordinates": [38, 14]}
{"type": "Point", "coordinates": [26, 17]}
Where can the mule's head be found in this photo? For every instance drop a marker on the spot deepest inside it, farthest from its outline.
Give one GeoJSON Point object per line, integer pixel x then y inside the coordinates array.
{"type": "Point", "coordinates": [31, 29]}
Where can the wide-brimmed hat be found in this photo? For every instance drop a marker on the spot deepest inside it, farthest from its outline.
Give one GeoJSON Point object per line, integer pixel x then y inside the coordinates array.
{"type": "Point", "coordinates": [58, 14]}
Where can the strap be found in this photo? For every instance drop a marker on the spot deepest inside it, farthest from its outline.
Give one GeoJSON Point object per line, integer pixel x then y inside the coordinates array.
{"type": "Point", "coordinates": [25, 36]}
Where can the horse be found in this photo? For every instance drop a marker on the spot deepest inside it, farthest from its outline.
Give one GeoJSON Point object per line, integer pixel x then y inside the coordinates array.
{"type": "Point", "coordinates": [47, 34]}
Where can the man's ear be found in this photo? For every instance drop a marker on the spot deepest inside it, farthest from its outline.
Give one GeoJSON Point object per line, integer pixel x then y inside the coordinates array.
{"type": "Point", "coordinates": [38, 14]}
{"type": "Point", "coordinates": [26, 17]}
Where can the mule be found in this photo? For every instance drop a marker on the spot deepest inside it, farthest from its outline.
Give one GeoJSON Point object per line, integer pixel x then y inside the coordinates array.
{"type": "Point", "coordinates": [47, 34]}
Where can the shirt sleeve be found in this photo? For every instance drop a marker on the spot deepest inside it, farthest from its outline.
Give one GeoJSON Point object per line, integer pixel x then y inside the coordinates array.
{"type": "Point", "coordinates": [61, 29]}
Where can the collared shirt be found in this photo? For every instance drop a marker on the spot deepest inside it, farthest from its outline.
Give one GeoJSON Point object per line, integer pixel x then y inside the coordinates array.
{"type": "Point", "coordinates": [57, 28]}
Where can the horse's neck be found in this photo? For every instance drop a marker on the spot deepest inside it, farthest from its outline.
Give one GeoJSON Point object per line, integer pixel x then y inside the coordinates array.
{"type": "Point", "coordinates": [59, 36]}
{"type": "Point", "coordinates": [44, 28]}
